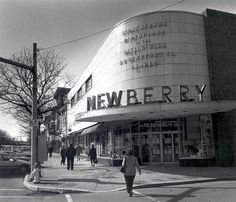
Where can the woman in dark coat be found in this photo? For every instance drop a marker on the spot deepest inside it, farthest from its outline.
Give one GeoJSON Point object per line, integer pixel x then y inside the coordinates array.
{"type": "Point", "coordinates": [63, 155]}
{"type": "Point", "coordinates": [70, 154]}
{"type": "Point", "coordinates": [93, 155]}
{"type": "Point", "coordinates": [50, 150]}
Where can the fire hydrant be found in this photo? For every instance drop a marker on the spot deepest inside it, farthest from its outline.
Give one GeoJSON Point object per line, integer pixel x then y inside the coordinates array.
{"type": "Point", "coordinates": [36, 173]}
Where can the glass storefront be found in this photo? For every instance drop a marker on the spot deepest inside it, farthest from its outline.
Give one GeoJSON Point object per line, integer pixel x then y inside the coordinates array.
{"type": "Point", "coordinates": [155, 141]}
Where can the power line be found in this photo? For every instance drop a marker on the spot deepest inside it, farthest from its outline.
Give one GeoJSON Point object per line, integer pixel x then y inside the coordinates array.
{"type": "Point", "coordinates": [172, 5]}
{"type": "Point", "coordinates": [74, 40]}
{"type": "Point", "coordinates": [99, 32]}
{"type": "Point", "coordinates": [87, 36]}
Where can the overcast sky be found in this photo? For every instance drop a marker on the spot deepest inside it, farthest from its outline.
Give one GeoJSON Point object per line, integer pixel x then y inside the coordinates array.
{"type": "Point", "coordinates": [51, 22]}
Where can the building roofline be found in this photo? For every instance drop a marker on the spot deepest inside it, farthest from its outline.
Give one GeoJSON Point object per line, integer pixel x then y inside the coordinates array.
{"type": "Point", "coordinates": [152, 12]}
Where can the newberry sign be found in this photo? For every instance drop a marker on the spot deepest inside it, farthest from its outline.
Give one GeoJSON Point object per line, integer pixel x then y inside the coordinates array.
{"type": "Point", "coordinates": [148, 96]}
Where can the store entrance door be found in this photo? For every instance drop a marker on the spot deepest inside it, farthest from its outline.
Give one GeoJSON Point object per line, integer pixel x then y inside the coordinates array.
{"type": "Point", "coordinates": [145, 148]}
{"type": "Point", "coordinates": [167, 147]}
{"type": "Point", "coordinates": [176, 145]}
{"type": "Point", "coordinates": [159, 147]}
{"type": "Point", "coordinates": [170, 145]}
{"type": "Point", "coordinates": [150, 147]}
{"type": "Point", "coordinates": [155, 147]}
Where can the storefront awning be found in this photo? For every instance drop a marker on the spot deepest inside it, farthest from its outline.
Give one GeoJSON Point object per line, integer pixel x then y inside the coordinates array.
{"type": "Point", "coordinates": [157, 111]}
{"type": "Point", "coordinates": [74, 133]}
{"type": "Point", "coordinates": [101, 127]}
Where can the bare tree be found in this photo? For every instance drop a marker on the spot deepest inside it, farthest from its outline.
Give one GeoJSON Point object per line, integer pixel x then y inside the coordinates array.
{"type": "Point", "coordinates": [16, 85]}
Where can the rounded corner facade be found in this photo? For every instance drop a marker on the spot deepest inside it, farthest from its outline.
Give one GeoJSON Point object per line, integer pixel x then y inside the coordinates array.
{"type": "Point", "coordinates": [165, 48]}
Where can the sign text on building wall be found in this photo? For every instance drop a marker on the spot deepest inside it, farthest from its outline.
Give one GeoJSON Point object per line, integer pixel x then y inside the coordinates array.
{"type": "Point", "coordinates": [107, 100]}
{"type": "Point", "coordinates": [145, 50]}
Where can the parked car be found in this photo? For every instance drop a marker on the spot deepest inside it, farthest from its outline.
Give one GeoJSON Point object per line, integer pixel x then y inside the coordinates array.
{"type": "Point", "coordinates": [25, 148]}
{"type": "Point", "coordinates": [10, 164]}
{"type": "Point", "coordinates": [20, 156]}
{"type": "Point", "coordinates": [11, 148]}
{"type": "Point", "coordinates": [17, 152]}
{"type": "Point", "coordinates": [16, 148]}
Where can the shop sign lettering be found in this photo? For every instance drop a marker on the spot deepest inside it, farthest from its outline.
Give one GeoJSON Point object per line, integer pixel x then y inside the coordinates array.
{"type": "Point", "coordinates": [107, 100]}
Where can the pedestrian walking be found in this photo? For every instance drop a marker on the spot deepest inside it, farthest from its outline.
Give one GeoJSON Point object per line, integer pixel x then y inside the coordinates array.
{"type": "Point", "coordinates": [93, 155]}
{"type": "Point", "coordinates": [78, 152]}
{"type": "Point", "coordinates": [130, 163]}
{"type": "Point", "coordinates": [70, 154]}
{"type": "Point", "coordinates": [50, 150]}
{"type": "Point", "coordinates": [63, 155]}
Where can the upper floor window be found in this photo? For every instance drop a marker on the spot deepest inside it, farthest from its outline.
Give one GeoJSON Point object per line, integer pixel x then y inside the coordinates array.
{"type": "Point", "coordinates": [79, 94]}
{"type": "Point", "coordinates": [88, 83]}
{"type": "Point", "coordinates": [73, 100]}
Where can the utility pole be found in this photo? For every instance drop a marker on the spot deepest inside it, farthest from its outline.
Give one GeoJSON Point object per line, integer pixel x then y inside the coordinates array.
{"type": "Point", "coordinates": [34, 131]}
{"type": "Point", "coordinates": [33, 69]}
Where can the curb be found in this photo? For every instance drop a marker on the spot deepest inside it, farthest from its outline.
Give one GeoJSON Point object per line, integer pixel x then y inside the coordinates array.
{"type": "Point", "coordinates": [38, 188]}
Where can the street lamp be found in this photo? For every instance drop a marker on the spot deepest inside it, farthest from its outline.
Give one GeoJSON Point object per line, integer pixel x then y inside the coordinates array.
{"type": "Point", "coordinates": [42, 128]}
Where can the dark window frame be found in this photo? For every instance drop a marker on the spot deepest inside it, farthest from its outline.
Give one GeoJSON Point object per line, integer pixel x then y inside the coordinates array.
{"type": "Point", "coordinates": [89, 83]}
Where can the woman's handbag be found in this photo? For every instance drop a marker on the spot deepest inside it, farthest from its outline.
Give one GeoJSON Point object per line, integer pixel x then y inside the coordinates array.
{"type": "Point", "coordinates": [122, 169]}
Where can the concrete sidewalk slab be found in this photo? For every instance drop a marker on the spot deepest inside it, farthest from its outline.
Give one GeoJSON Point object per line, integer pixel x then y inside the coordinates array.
{"type": "Point", "coordinates": [87, 179]}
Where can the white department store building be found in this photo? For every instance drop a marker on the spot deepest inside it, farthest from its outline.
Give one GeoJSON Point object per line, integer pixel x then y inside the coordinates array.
{"type": "Point", "coordinates": [155, 86]}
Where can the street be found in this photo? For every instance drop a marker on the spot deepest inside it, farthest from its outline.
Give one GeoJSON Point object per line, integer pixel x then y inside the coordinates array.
{"type": "Point", "coordinates": [220, 191]}
{"type": "Point", "coordinates": [12, 190]}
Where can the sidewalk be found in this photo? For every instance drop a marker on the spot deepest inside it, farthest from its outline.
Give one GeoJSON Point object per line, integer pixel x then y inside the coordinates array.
{"type": "Point", "coordinates": [84, 178]}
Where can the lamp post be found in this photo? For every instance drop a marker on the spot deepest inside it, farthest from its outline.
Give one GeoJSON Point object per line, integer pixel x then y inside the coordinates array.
{"type": "Point", "coordinates": [42, 128]}
{"type": "Point", "coordinates": [33, 69]}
